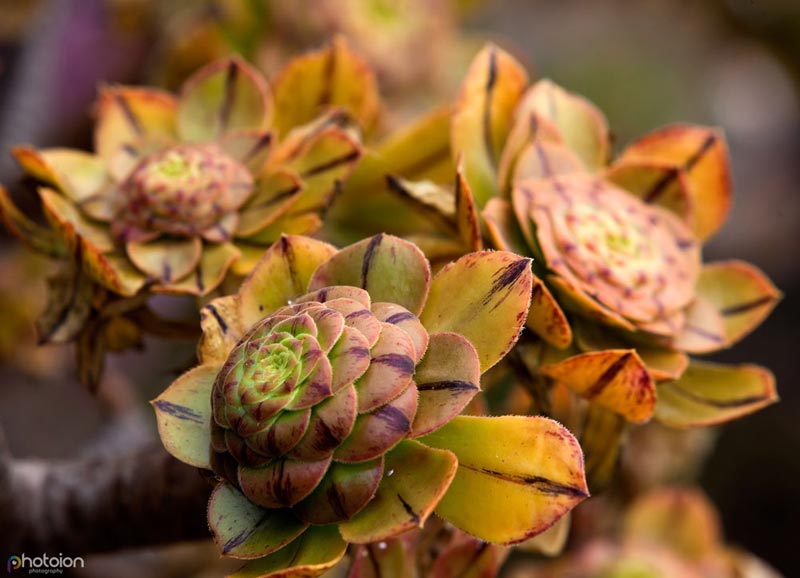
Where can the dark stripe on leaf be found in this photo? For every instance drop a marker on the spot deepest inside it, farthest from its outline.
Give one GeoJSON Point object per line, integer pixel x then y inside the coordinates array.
{"type": "Point", "coordinates": [491, 81]}
{"type": "Point", "coordinates": [240, 538]}
{"type": "Point", "coordinates": [608, 376]}
{"type": "Point", "coordinates": [542, 484]}
{"type": "Point", "coordinates": [399, 317]}
{"type": "Point", "coordinates": [228, 96]}
{"type": "Point", "coordinates": [409, 510]}
{"type": "Point", "coordinates": [394, 418]}
{"type": "Point", "coordinates": [453, 385]}
{"type": "Point", "coordinates": [402, 363]}
{"type": "Point", "coordinates": [704, 334]}
{"type": "Point", "coordinates": [661, 185]}
{"type": "Point", "coordinates": [332, 164]}
{"type": "Point", "coordinates": [718, 403]}
{"type": "Point", "coordinates": [222, 324]}
{"type": "Point", "coordinates": [747, 306]}
{"type": "Point", "coordinates": [178, 411]}
{"type": "Point", "coordinates": [263, 142]}
{"type": "Point", "coordinates": [128, 113]}
{"type": "Point", "coordinates": [506, 278]}
{"type": "Point", "coordinates": [373, 245]}
{"type": "Point", "coordinates": [704, 148]}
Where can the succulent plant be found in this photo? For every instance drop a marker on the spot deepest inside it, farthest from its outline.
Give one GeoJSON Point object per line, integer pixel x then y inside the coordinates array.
{"type": "Point", "coordinates": [327, 404]}
{"type": "Point", "coordinates": [621, 295]}
{"type": "Point", "coordinates": [181, 190]}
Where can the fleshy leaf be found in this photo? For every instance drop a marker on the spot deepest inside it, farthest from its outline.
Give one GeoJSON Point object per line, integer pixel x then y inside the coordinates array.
{"type": "Point", "coordinates": [69, 305]}
{"type": "Point", "coordinates": [323, 154]}
{"type": "Point", "coordinates": [282, 275]}
{"type": "Point", "coordinates": [529, 126]}
{"type": "Point", "coordinates": [616, 379]}
{"type": "Point", "coordinates": [275, 192]}
{"type": "Point", "coordinates": [483, 116]}
{"type": "Point", "coordinates": [166, 259]}
{"type": "Point", "coordinates": [469, 558]}
{"type": "Point", "coordinates": [656, 183]}
{"type": "Point", "coordinates": [484, 297]}
{"type": "Point", "coordinates": [742, 294]}
{"type": "Point", "coordinates": [702, 154]}
{"type": "Point", "coordinates": [467, 221]}
{"type": "Point", "coordinates": [315, 552]}
{"type": "Point", "coordinates": [183, 412]}
{"type": "Point", "coordinates": [390, 268]}
{"type": "Point", "coordinates": [710, 394]}
{"type": "Point", "coordinates": [681, 519]}
{"type": "Point", "coordinates": [251, 147]}
{"type": "Point", "coordinates": [601, 439]}
{"type": "Point", "coordinates": [111, 270]}
{"type": "Point", "coordinates": [345, 489]}
{"type": "Point", "coordinates": [35, 236]}
{"type": "Point", "coordinates": [418, 151]}
{"type": "Point", "coordinates": [532, 476]}
{"type": "Point", "coordinates": [209, 273]}
{"type": "Point", "coordinates": [332, 76]}
{"type": "Point", "coordinates": [393, 558]}
{"type": "Point", "coordinates": [223, 96]}
{"type": "Point", "coordinates": [77, 174]}
{"type": "Point", "coordinates": [551, 542]}
{"type": "Point", "coordinates": [125, 115]}
{"type": "Point", "coordinates": [415, 478]}
{"type": "Point", "coordinates": [542, 160]}
{"type": "Point", "coordinates": [581, 123]}
{"type": "Point", "coordinates": [243, 530]}
{"type": "Point", "coordinates": [447, 379]}
{"type": "Point", "coordinates": [61, 213]}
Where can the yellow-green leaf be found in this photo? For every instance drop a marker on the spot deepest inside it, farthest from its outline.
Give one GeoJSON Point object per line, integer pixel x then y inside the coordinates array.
{"type": "Point", "coordinates": [710, 393]}
{"type": "Point", "coordinates": [516, 475]}
{"type": "Point", "coordinates": [483, 116]}
{"type": "Point", "coordinates": [582, 124]}
{"type": "Point", "coordinates": [483, 296]}
{"type": "Point", "coordinates": [315, 552]}
{"type": "Point", "coordinates": [243, 530]}
{"type": "Point", "coordinates": [282, 274]}
{"type": "Point", "coordinates": [415, 479]}
{"type": "Point", "coordinates": [389, 268]}
{"type": "Point", "coordinates": [183, 412]}
{"type": "Point", "coordinates": [742, 294]}
{"type": "Point", "coordinates": [332, 76]}
{"type": "Point", "coordinates": [223, 96]}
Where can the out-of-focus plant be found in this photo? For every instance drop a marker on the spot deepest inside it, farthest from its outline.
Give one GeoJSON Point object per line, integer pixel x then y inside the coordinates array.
{"type": "Point", "coordinates": [182, 190]}
{"type": "Point", "coordinates": [329, 410]}
{"type": "Point", "coordinates": [668, 532]}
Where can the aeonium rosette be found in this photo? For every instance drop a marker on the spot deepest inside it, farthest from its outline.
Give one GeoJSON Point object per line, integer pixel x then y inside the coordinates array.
{"type": "Point", "coordinates": [621, 295]}
{"type": "Point", "coordinates": [180, 191]}
{"type": "Point", "coordinates": [327, 403]}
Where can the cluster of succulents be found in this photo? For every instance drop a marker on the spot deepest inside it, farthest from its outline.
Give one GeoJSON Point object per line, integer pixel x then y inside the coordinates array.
{"type": "Point", "coordinates": [326, 406]}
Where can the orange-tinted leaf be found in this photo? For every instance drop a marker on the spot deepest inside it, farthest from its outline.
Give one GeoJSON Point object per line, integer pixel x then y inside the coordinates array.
{"type": "Point", "coordinates": [616, 379]}
{"type": "Point", "coordinates": [702, 154]}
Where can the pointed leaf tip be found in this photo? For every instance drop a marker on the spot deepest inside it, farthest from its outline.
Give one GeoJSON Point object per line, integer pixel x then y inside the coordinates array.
{"type": "Point", "coordinates": [485, 297]}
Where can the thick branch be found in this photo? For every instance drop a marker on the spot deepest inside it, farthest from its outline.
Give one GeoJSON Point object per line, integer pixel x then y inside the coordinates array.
{"type": "Point", "coordinates": [102, 503]}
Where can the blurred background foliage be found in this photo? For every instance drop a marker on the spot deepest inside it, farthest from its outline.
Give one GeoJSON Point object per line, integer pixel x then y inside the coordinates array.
{"type": "Point", "coordinates": [731, 63]}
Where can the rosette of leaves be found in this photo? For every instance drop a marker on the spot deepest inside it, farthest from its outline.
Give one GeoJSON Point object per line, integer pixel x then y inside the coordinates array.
{"type": "Point", "coordinates": [327, 402]}
{"type": "Point", "coordinates": [621, 296]}
{"type": "Point", "coordinates": [179, 191]}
